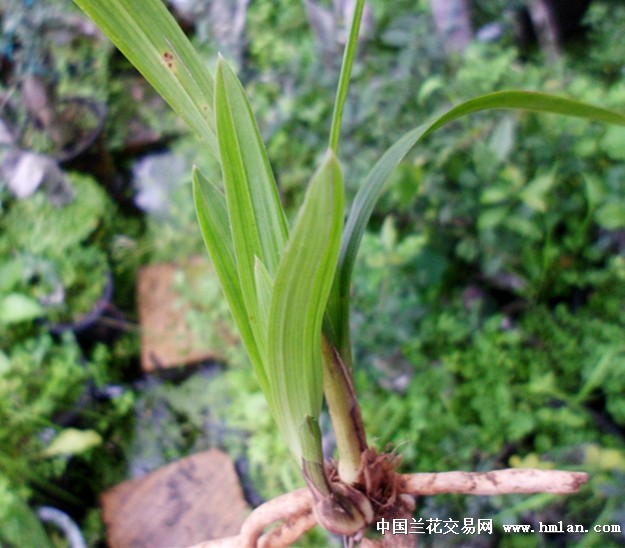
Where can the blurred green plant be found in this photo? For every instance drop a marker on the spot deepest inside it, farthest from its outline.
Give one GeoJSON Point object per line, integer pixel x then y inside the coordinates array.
{"type": "Point", "coordinates": [534, 391]}
{"type": "Point", "coordinates": [52, 256]}
{"type": "Point", "coordinates": [515, 202]}
{"type": "Point", "coordinates": [45, 434]}
{"type": "Point", "coordinates": [289, 287]}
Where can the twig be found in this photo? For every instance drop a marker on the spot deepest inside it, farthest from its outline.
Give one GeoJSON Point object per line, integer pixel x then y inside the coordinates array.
{"type": "Point", "coordinates": [497, 482]}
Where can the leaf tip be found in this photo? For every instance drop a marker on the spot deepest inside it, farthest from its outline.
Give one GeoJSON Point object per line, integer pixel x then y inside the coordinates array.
{"type": "Point", "coordinates": [221, 61]}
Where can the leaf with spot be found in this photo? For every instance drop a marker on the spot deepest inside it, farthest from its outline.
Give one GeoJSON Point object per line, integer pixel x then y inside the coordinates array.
{"type": "Point", "coordinates": [148, 35]}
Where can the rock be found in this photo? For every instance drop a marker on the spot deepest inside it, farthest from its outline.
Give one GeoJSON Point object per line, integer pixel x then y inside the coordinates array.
{"type": "Point", "coordinates": [26, 171]}
{"type": "Point", "coordinates": [155, 178]}
{"type": "Point", "coordinates": [168, 340]}
{"type": "Point", "coordinates": [195, 499]}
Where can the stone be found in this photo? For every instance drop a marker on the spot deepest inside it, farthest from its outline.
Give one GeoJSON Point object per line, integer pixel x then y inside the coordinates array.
{"type": "Point", "coordinates": [168, 338]}
{"type": "Point", "coordinates": [195, 499]}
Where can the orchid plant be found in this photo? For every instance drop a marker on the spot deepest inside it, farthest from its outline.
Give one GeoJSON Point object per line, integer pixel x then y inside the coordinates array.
{"type": "Point", "coordinates": [288, 286]}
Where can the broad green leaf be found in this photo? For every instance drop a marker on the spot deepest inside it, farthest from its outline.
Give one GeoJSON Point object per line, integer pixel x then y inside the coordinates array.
{"type": "Point", "coordinates": [369, 192]}
{"type": "Point", "coordinates": [256, 216]}
{"type": "Point", "coordinates": [148, 35]}
{"type": "Point", "coordinates": [301, 288]}
{"type": "Point", "coordinates": [246, 166]}
{"type": "Point", "coordinates": [212, 213]}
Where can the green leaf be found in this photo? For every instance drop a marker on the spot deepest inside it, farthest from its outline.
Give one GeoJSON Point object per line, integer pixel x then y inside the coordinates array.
{"type": "Point", "coordinates": [313, 468]}
{"type": "Point", "coordinates": [148, 35]}
{"type": "Point", "coordinates": [16, 308]}
{"type": "Point", "coordinates": [72, 441]}
{"type": "Point", "coordinates": [614, 143]}
{"type": "Point", "coordinates": [346, 71]}
{"type": "Point", "coordinates": [11, 274]}
{"type": "Point", "coordinates": [495, 194]}
{"type": "Point", "coordinates": [611, 215]}
{"type": "Point", "coordinates": [503, 138]}
{"type": "Point", "coordinates": [534, 194]}
{"type": "Point", "coordinates": [492, 217]}
{"type": "Point", "coordinates": [369, 192]}
{"type": "Point", "coordinates": [301, 288]}
{"type": "Point", "coordinates": [598, 374]}
{"type": "Point", "coordinates": [264, 290]}
{"type": "Point", "coordinates": [256, 216]}
{"type": "Point", "coordinates": [595, 189]}
{"type": "Point", "coordinates": [247, 173]}
{"type": "Point", "coordinates": [212, 213]}
{"type": "Point", "coordinates": [429, 87]}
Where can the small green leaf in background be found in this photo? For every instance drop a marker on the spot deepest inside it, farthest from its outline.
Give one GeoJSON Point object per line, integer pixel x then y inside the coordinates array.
{"type": "Point", "coordinates": [492, 217]}
{"type": "Point", "coordinates": [611, 215]}
{"type": "Point", "coordinates": [11, 273]}
{"type": "Point", "coordinates": [16, 308]}
{"type": "Point", "coordinates": [596, 190]}
{"type": "Point", "coordinates": [503, 139]}
{"type": "Point", "coordinates": [493, 194]}
{"type": "Point", "coordinates": [72, 441]}
{"type": "Point", "coordinates": [598, 374]}
{"type": "Point", "coordinates": [613, 143]}
{"type": "Point", "coordinates": [534, 194]}
{"type": "Point", "coordinates": [604, 458]}
{"type": "Point", "coordinates": [429, 87]}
